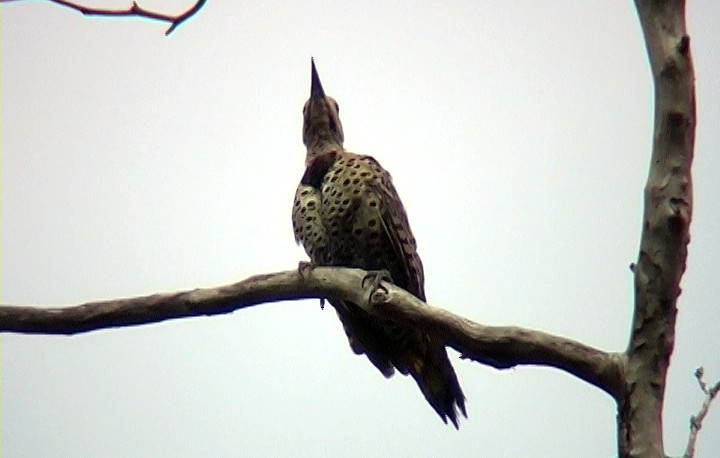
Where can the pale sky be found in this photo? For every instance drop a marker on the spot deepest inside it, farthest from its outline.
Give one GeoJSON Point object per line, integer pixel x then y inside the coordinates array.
{"type": "Point", "coordinates": [518, 134]}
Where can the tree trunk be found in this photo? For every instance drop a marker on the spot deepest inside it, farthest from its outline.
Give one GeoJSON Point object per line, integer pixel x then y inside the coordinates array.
{"type": "Point", "coordinates": [665, 236]}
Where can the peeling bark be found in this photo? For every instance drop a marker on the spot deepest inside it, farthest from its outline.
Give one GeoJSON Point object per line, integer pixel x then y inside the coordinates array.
{"type": "Point", "coordinates": [665, 233]}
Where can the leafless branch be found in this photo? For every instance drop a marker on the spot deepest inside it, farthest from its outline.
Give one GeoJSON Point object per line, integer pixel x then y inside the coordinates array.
{"type": "Point", "coordinates": [496, 346]}
{"type": "Point", "coordinates": [696, 420]}
{"type": "Point", "coordinates": [134, 10]}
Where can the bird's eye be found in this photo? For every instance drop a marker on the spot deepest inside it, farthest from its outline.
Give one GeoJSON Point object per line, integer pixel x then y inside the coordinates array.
{"type": "Point", "coordinates": [337, 108]}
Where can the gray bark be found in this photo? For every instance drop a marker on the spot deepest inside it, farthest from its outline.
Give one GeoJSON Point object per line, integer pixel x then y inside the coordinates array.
{"type": "Point", "coordinates": [665, 230]}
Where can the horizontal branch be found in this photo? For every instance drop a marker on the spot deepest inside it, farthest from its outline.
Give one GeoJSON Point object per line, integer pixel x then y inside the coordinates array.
{"type": "Point", "coordinates": [497, 346]}
{"type": "Point", "coordinates": [134, 10]}
{"type": "Point", "coordinates": [503, 347]}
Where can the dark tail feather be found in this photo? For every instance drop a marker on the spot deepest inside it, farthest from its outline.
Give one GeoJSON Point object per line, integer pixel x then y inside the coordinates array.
{"type": "Point", "coordinates": [363, 338]}
{"type": "Point", "coordinates": [414, 353]}
{"type": "Point", "coordinates": [438, 382]}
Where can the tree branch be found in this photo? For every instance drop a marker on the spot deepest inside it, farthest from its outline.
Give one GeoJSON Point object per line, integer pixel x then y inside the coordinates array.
{"type": "Point", "coordinates": [665, 233]}
{"type": "Point", "coordinates": [134, 10]}
{"type": "Point", "coordinates": [497, 346]}
{"type": "Point", "coordinates": [696, 420]}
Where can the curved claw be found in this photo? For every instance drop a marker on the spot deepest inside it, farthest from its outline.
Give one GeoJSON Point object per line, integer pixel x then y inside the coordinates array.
{"type": "Point", "coordinates": [372, 281]}
{"type": "Point", "coordinates": [305, 267]}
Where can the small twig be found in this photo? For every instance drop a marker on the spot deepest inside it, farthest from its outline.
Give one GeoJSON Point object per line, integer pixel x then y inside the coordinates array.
{"type": "Point", "coordinates": [134, 10]}
{"type": "Point", "coordinates": [696, 420]}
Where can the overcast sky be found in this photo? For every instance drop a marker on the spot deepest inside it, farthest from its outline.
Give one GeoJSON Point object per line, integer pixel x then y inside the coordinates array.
{"type": "Point", "coordinates": [518, 134]}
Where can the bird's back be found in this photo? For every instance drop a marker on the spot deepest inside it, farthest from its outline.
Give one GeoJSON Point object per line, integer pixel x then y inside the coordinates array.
{"type": "Point", "coordinates": [348, 213]}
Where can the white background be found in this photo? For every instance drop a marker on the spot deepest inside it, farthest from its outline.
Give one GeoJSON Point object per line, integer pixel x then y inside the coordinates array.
{"type": "Point", "coordinates": [518, 134]}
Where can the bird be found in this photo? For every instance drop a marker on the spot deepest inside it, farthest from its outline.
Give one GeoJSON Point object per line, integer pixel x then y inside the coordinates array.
{"type": "Point", "coordinates": [347, 213]}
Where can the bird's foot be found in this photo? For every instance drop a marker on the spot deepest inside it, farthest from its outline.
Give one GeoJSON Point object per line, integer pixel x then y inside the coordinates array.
{"type": "Point", "coordinates": [304, 268]}
{"type": "Point", "coordinates": [371, 283]}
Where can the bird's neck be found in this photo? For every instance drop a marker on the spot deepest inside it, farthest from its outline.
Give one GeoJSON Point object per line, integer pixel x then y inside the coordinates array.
{"type": "Point", "coordinates": [320, 146]}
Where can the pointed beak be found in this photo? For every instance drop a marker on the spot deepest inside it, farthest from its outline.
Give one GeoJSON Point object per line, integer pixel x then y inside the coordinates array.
{"type": "Point", "coordinates": [316, 89]}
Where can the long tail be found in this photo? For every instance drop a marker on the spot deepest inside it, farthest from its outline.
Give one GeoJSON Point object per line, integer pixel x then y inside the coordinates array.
{"type": "Point", "coordinates": [437, 380]}
{"type": "Point", "coordinates": [409, 351]}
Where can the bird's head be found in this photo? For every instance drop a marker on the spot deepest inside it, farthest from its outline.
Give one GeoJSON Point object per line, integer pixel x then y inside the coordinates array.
{"type": "Point", "coordinates": [322, 130]}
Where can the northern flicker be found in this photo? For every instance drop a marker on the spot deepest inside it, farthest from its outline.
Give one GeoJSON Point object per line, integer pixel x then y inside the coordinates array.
{"type": "Point", "coordinates": [348, 213]}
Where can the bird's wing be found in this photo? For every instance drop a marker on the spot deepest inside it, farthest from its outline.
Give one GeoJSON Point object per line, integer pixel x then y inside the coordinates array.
{"type": "Point", "coordinates": [395, 224]}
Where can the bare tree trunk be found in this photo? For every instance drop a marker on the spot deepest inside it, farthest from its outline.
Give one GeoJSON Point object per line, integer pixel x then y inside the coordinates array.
{"type": "Point", "coordinates": [665, 235]}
